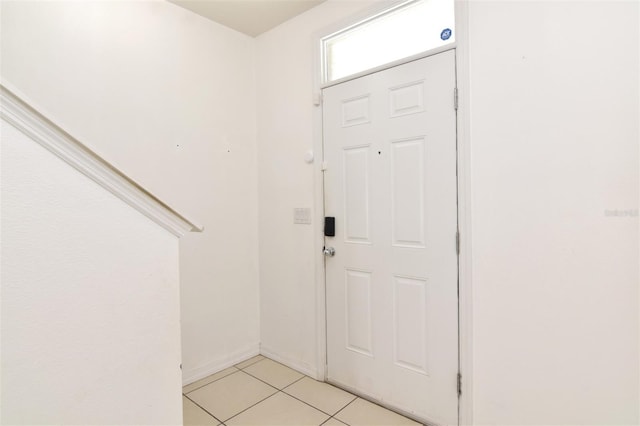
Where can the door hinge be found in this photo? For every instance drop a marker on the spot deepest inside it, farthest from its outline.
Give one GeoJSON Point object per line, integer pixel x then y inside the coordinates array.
{"type": "Point", "coordinates": [455, 98]}
{"type": "Point", "coordinates": [317, 99]}
{"type": "Point", "coordinates": [457, 242]}
{"type": "Point", "coordinates": [459, 384]}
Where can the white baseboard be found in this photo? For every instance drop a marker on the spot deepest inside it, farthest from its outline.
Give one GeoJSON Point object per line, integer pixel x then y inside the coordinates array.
{"type": "Point", "coordinates": [194, 374]}
{"type": "Point", "coordinates": [303, 368]}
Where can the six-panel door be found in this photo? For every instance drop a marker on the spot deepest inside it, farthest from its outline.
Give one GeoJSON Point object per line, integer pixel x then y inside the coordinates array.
{"type": "Point", "coordinates": [392, 307]}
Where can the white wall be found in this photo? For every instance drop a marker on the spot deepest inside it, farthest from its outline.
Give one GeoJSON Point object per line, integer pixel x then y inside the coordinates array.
{"type": "Point", "coordinates": [285, 133]}
{"type": "Point", "coordinates": [90, 329]}
{"type": "Point", "coordinates": [168, 97]}
{"type": "Point", "coordinates": [554, 140]}
{"type": "Point", "coordinates": [554, 144]}
{"type": "Point", "coordinates": [554, 137]}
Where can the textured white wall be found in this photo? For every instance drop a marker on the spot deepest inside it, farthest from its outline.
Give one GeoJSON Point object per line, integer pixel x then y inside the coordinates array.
{"type": "Point", "coordinates": [554, 139]}
{"type": "Point", "coordinates": [285, 60]}
{"type": "Point", "coordinates": [168, 97]}
{"type": "Point", "coordinates": [554, 134]}
{"type": "Point", "coordinates": [90, 329]}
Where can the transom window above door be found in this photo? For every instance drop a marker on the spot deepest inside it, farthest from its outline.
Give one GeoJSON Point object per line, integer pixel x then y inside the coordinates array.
{"type": "Point", "coordinates": [399, 32]}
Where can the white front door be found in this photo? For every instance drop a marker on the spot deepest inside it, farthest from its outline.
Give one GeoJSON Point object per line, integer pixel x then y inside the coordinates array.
{"type": "Point", "coordinates": [390, 183]}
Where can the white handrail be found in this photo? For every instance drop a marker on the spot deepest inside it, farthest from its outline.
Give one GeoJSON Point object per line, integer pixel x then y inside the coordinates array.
{"type": "Point", "coordinates": [16, 111]}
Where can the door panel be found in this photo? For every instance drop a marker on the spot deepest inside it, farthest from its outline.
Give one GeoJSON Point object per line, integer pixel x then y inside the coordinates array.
{"type": "Point", "coordinates": [392, 307]}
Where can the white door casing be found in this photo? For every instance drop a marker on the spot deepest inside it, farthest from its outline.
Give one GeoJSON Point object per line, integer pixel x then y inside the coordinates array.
{"type": "Point", "coordinates": [391, 288]}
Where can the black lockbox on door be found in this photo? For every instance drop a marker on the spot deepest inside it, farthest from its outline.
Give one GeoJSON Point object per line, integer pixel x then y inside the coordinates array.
{"type": "Point", "coordinates": [329, 226]}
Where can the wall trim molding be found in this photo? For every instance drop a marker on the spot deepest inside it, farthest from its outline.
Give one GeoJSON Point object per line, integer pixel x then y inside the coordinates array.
{"type": "Point", "coordinates": [219, 364]}
{"type": "Point", "coordinates": [291, 363]}
{"type": "Point", "coordinates": [465, 266]}
{"type": "Point", "coordinates": [18, 112]}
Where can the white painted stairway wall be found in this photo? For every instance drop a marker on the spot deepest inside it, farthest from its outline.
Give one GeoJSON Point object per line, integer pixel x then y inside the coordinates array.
{"type": "Point", "coordinates": [90, 284]}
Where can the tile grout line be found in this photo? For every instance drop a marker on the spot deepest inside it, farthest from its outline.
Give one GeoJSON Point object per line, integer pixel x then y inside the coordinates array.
{"type": "Point", "coordinates": [304, 402]}
{"type": "Point", "coordinates": [251, 406]}
{"type": "Point", "coordinates": [279, 390]}
{"type": "Point", "coordinates": [250, 375]}
{"type": "Point", "coordinates": [249, 365]}
{"type": "Point", "coordinates": [325, 422]}
{"type": "Point", "coordinates": [309, 404]}
{"type": "Point", "coordinates": [200, 387]}
{"type": "Point", "coordinates": [293, 383]}
{"type": "Point", "coordinates": [337, 419]}
{"type": "Point", "coordinates": [379, 405]}
{"type": "Point", "coordinates": [222, 423]}
{"type": "Point", "coordinates": [275, 362]}
{"type": "Point", "coordinates": [331, 416]}
{"type": "Point", "coordinates": [350, 402]}
{"type": "Point", "coordinates": [282, 391]}
{"type": "Point", "coordinates": [233, 366]}
{"type": "Point", "coordinates": [263, 399]}
{"type": "Point", "coordinates": [204, 409]}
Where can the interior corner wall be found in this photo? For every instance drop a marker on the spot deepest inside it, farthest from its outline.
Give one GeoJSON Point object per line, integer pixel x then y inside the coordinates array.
{"type": "Point", "coordinates": [168, 97]}
{"type": "Point", "coordinates": [285, 64]}
{"type": "Point", "coordinates": [554, 153]}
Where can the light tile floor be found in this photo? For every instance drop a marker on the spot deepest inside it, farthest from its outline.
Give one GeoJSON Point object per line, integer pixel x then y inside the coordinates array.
{"type": "Point", "coordinates": [260, 391]}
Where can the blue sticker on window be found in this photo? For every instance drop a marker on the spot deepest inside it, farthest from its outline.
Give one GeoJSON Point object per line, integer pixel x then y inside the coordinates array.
{"type": "Point", "coordinates": [445, 34]}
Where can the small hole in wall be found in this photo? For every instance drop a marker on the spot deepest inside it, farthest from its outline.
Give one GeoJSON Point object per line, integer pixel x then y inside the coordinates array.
{"type": "Point", "coordinates": [379, 152]}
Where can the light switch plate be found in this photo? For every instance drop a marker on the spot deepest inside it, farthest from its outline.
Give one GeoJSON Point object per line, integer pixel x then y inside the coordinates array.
{"type": "Point", "coordinates": [302, 216]}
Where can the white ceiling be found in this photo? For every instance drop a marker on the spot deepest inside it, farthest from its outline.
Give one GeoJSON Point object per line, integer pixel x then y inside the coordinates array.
{"type": "Point", "coordinates": [252, 17]}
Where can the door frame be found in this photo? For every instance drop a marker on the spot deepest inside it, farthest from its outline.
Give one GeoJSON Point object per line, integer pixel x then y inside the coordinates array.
{"type": "Point", "coordinates": [465, 325]}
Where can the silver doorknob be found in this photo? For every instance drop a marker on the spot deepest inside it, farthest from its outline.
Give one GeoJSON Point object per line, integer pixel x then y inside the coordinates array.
{"type": "Point", "coordinates": [329, 251]}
